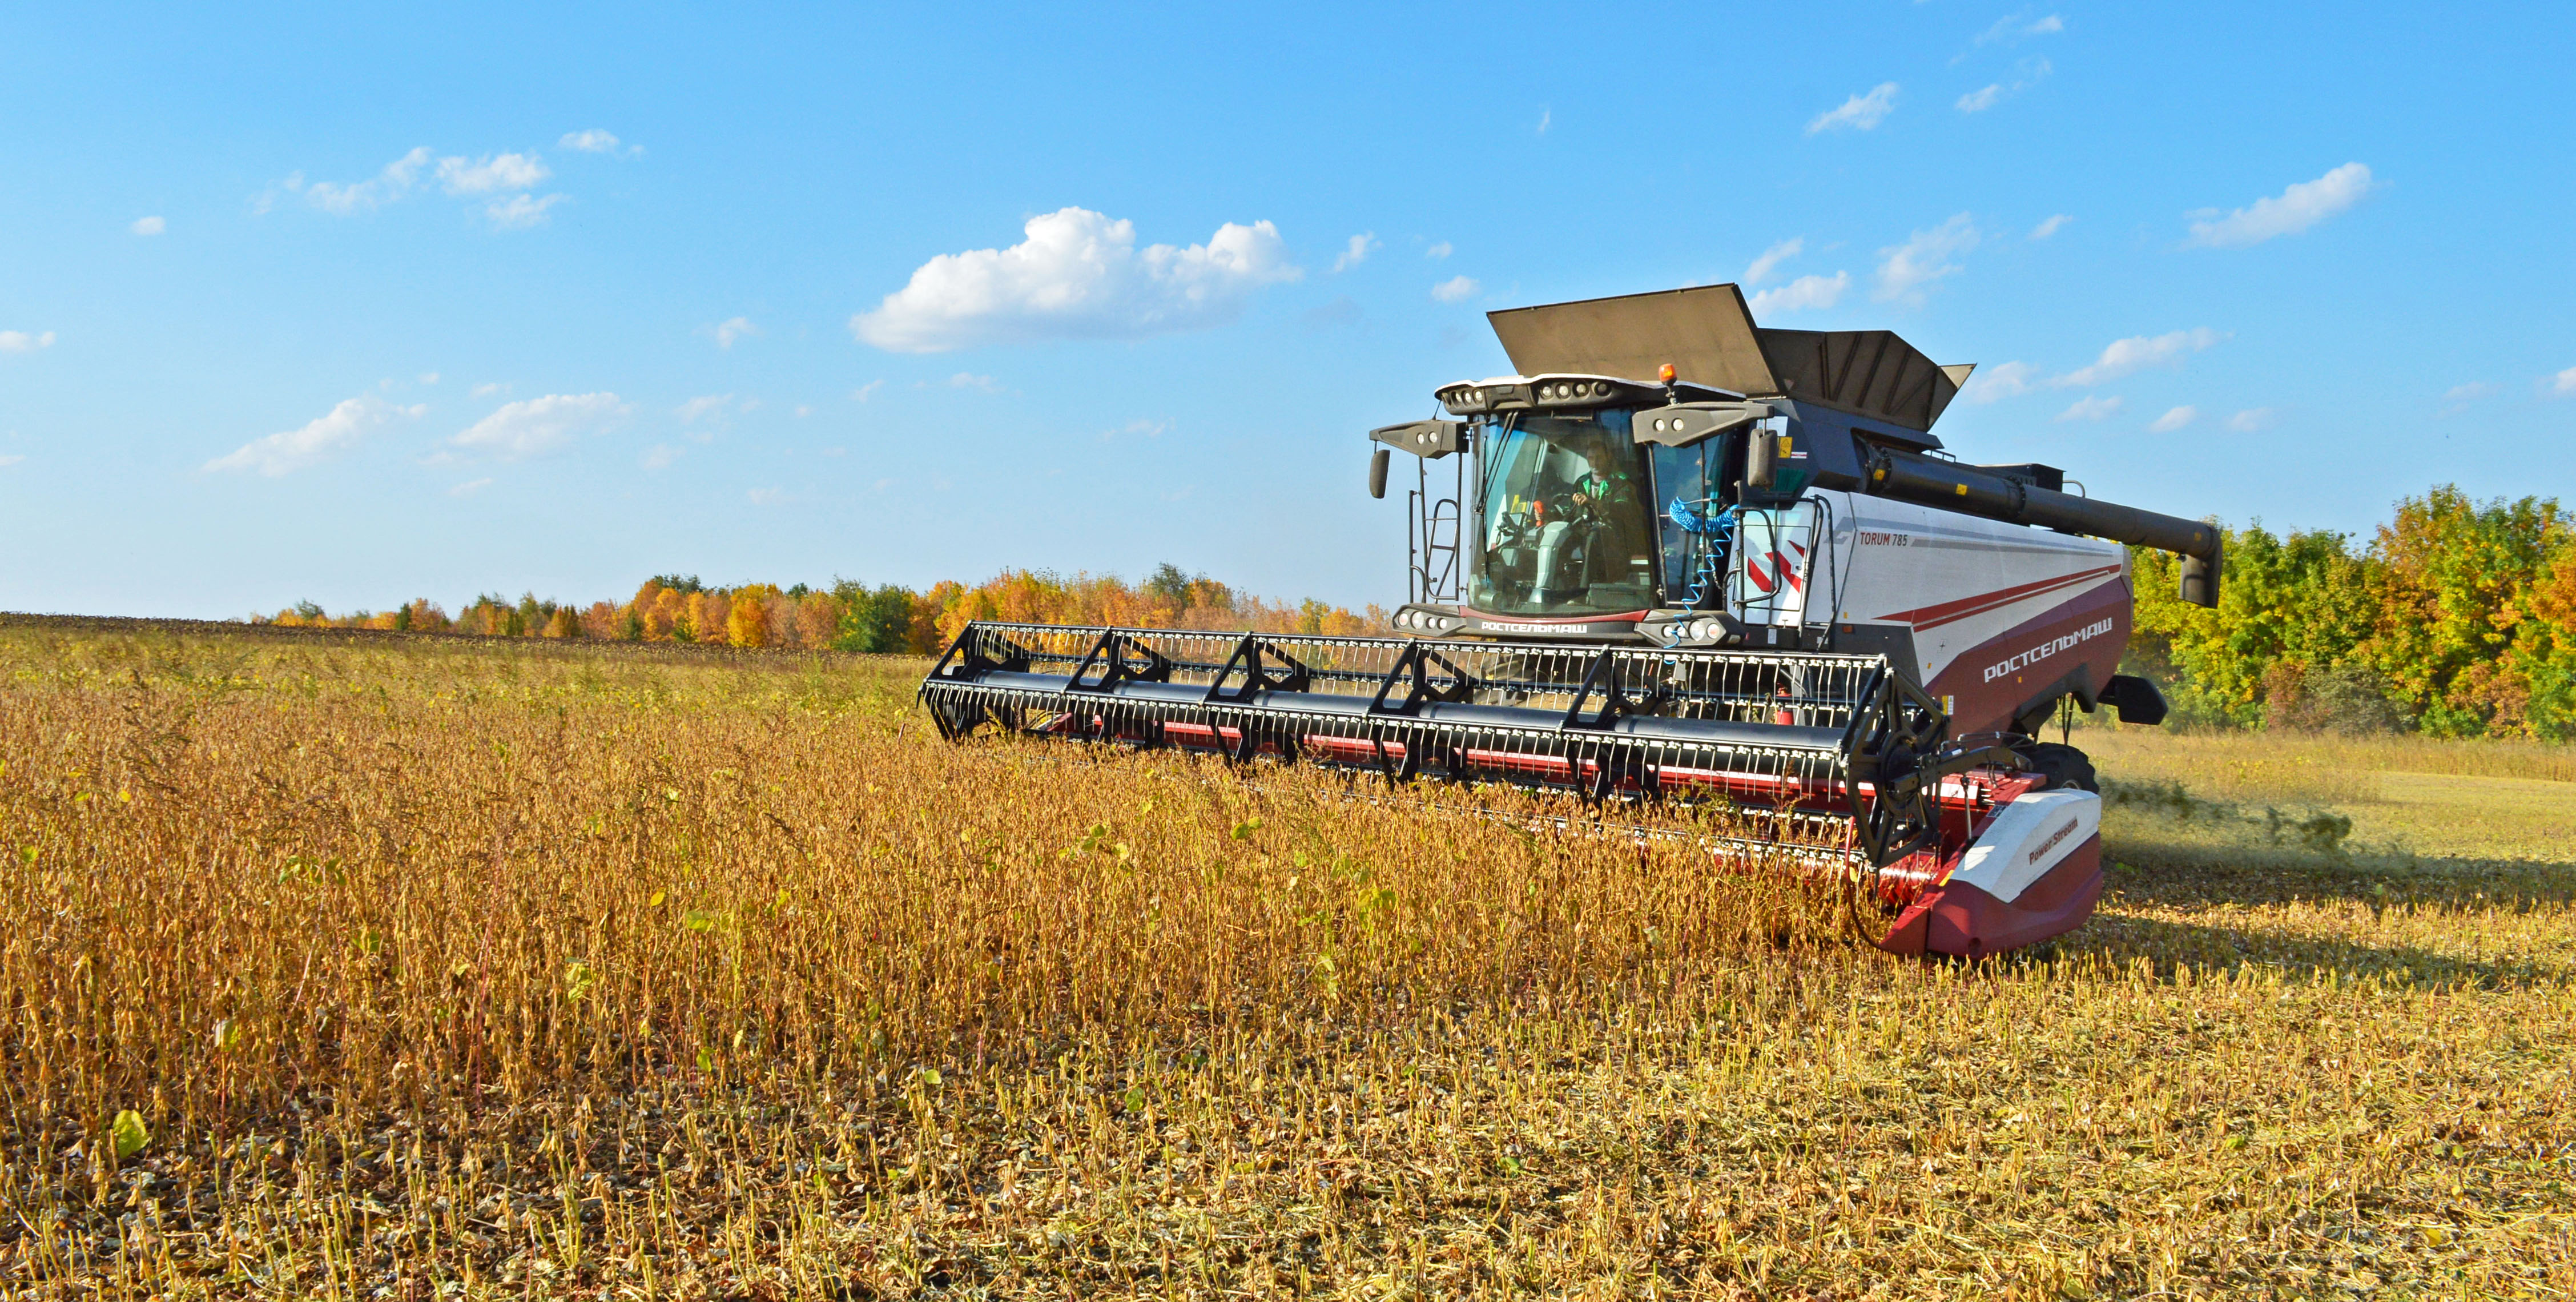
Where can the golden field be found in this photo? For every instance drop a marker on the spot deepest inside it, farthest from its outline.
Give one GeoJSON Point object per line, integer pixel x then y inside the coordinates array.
{"type": "Point", "coordinates": [362, 966]}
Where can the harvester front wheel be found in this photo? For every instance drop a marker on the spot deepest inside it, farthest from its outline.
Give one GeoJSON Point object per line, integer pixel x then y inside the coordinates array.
{"type": "Point", "coordinates": [2063, 766]}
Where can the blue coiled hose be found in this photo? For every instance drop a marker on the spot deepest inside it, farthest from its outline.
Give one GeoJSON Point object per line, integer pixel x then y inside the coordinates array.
{"type": "Point", "coordinates": [1716, 532]}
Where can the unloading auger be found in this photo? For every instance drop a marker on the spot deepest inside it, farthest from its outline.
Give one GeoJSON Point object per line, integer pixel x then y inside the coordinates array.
{"type": "Point", "coordinates": [1763, 585]}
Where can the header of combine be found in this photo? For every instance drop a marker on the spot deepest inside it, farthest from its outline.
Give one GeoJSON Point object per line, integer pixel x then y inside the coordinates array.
{"type": "Point", "coordinates": [1681, 556]}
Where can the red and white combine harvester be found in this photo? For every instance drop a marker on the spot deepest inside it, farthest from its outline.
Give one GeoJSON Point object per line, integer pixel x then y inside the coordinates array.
{"type": "Point", "coordinates": [1684, 556]}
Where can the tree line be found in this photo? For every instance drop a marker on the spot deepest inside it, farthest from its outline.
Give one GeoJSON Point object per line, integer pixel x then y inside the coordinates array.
{"type": "Point", "coordinates": [851, 616]}
{"type": "Point", "coordinates": [2455, 618]}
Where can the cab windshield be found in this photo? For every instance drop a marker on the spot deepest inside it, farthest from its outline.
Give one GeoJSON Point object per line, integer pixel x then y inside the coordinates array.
{"type": "Point", "coordinates": [1565, 516]}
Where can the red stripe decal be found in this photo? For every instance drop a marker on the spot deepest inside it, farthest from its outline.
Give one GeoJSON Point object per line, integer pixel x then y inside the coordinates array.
{"type": "Point", "coordinates": [1951, 612]}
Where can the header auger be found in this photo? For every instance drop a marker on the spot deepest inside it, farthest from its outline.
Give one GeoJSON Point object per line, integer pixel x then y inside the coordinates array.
{"type": "Point", "coordinates": [1754, 578]}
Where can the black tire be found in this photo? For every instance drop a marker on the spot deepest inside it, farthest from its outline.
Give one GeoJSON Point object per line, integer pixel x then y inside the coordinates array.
{"type": "Point", "coordinates": [2063, 766]}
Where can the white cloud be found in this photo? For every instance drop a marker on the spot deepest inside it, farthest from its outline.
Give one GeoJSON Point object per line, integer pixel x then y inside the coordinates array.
{"type": "Point", "coordinates": [970, 380]}
{"type": "Point", "coordinates": [1545, 116]}
{"type": "Point", "coordinates": [596, 141]}
{"type": "Point", "coordinates": [536, 425]}
{"type": "Point", "coordinates": [804, 410]}
{"type": "Point", "coordinates": [2136, 353]}
{"type": "Point", "coordinates": [293, 184]}
{"type": "Point", "coordinates": [1360, 247]}
{"type": "Point", "coordinates": [470, 487]}
{"type": "Point", "coordinates": [766, 496]}
{"type": "Point", "coordinates": [2174, 419]}
{"type": "Point", "coordinates": [332, 432]}
{"type": "Point", "coordinates": [11, 459]}
{"type": "Point", "coordinates": [457, 175]}
{"type": "Point", "coordinates": [429, 377]}
{"type": "Point", "coordinates": [2562, 384]}
{"type": "Point", "coordinates": [2050, 227]}
{"type": "Point", "coordinates": [660, 455]}
{"type": "Point", "coordinates": [486, 390]}
{"type": "Point", "coordinates": [148, 226]}
{"type": "Point", "coordinates": [396, 180]}
{"type": "Point", "coordinates": [19, 341]}
{"type": "Point", "coordinates": [1438, 251]}
{"type": "Point", "coordinates": [520, 210]}
{"type": "Point", "coordinates": [1804, 292]}
{"type": "Point", "coordinates": [2252, 419]}
{"type": "Point", "coordinates": [861, 393]}
{"type": "Point", "coordinates": [2030, 71]}
{"type": "Point", "coordinates": [1923, 258]}
{"type": "Point", "coordinates": [2090, 408]}
{"type": "Point", "coordinates": [1078, 275]}
{"type": "Point", "coordinates": [1455, 289]}
{"type": "Point", "coordinates": [493, 172]}
{"type": "Point", "coordinates": [730, 329]}
{"type": "Point", "coordinates": [2294, 210]}
{"type": "Point", "coordinates": [1860, 112]}
{"type": "Point", "coordinates": [1771, 259]}
{"type": "Point", "coordinates": [2013, 27]}
{"type": "Point", "coordinates": [704, 405]}
{"type": "Point", "coordinates": [2458, 397]}
{"type": "Point", "coordinates": [1996, 383]}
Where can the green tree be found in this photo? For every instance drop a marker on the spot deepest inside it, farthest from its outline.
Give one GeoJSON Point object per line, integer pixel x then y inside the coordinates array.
{"type": "Point", "coordinates": [2452, 585]}
{"type": "Point", "coordinates": [1168, 585]}
{"type": "Point", "coordinates": [877, 622]}
{"type": "Point", "coordinates": [2301, 601]}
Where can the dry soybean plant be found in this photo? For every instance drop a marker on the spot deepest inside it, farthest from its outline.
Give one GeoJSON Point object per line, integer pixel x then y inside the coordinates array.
{"type": "Point", "coordinates": [360, 967]}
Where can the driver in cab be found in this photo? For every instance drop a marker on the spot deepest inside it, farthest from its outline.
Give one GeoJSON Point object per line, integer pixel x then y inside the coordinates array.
{"type": "Point", "coordinates": [1606, 494]}
{"type": "Point", "coordinates": [1605, 485]}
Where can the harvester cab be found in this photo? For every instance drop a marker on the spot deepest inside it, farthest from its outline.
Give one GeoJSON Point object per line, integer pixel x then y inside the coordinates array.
{"type": "Point", "coordinates": [1681, 556]}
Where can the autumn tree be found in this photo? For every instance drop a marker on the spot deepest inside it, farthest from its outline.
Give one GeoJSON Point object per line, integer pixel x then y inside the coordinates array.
{"type": "Point", "coordinates": [747, 615]}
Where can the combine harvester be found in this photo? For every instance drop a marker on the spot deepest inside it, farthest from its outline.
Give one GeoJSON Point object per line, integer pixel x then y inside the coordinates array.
{"type": "Point", "coordinates": [1754, 578]}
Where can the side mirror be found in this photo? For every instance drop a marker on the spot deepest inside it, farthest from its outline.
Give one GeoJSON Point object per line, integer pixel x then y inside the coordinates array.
{"type": "Point", "coordinates": [1377, 472]}
{"type": "Point", "coordinates": [1761, 459]}
{"type": "Point", "coordinates": [1776, 469]}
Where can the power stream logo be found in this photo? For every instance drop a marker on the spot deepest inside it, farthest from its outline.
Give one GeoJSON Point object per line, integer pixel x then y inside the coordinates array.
{"type": "Point", "coordinates": [2046, 649]}
{"type": "Point", "coordinates": [2052, 841]}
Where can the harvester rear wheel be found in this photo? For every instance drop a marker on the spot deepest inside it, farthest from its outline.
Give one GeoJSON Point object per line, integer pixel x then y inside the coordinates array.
{"type": "Point", "coordinates": [2063, 766]}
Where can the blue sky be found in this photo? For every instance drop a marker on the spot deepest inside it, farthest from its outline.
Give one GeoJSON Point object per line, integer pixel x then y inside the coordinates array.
{"type": "Point", "coordinates": [317, 304]}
